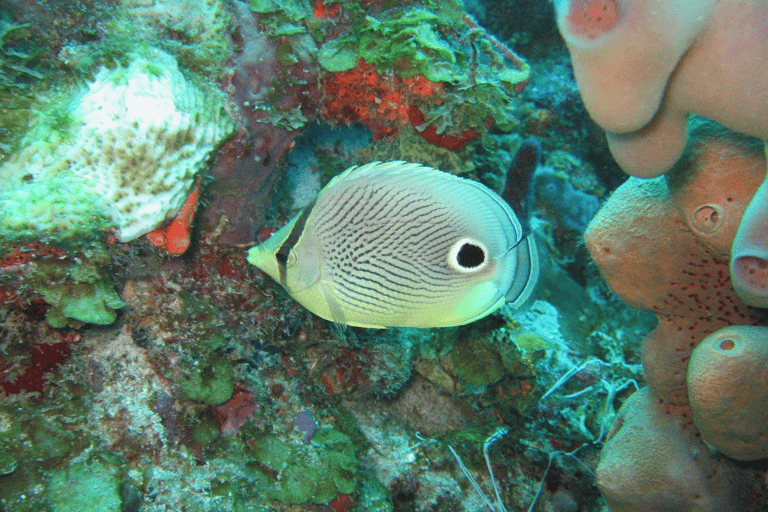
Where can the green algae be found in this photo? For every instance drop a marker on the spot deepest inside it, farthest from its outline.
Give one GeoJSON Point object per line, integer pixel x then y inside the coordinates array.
{"type": "Point", "coordinates": [19, 69]}
{"type": "Point", "coordinates": [477, 362]}
{"type": "Point", "coordinates": [36, 443]}
{"type": "Point", "coordinates": [203, 373]}
{"type": "Point", "coordinates": [210, 381]}
{"type": "Point", "coordinates": [436, 39]}
{"type": "Point", "coordinates": [87, 302]}
{"type": "Point", "coordinates": [374, 497]}
{"type": "Point", "coordinates": [406, 40]}
{"type": "Point", "coordinates": [205, 431]}
{"type": "Point", "coordinates": [85, 487]}
{"type": "Point", "coordinates": [299, 473]}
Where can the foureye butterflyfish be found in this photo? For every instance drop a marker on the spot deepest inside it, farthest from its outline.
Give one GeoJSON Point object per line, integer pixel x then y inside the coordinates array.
{"type": "Point", "coordinates": [398, 244]}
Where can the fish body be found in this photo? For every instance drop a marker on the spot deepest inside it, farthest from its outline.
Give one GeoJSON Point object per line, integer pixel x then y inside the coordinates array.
{"type": "Point", "coordinates": [398, 244]}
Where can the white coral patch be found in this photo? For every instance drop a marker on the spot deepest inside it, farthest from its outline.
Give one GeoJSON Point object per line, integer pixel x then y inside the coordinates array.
{"type": "Point", "coordinates": [138, 137]}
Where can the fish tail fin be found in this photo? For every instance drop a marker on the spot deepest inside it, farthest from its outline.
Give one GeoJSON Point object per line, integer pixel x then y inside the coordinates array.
{"type": "Point", "coordinates": [527, 271]}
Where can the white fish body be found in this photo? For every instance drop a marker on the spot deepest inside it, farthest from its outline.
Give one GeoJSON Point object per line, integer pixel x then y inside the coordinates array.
{"type": "Point", "coordinates": [398, 244]}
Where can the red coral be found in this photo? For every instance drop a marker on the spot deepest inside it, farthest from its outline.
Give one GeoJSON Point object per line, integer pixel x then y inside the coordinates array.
{"type": "Point", "coordinates": [236, 412]}
{"type": "Point", "coordinates": [325, 12]}
{"type": "Point", "coordinates": [377, 101]}
{"type": "Point", "coordinates": [452, 142]}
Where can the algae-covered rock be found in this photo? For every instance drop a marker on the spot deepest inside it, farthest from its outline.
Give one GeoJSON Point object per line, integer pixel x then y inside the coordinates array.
{"type": "Point", "coordinates": [85, 487]}
{"type": "Point", "coordinates": [374, 497]}
{"type": "Point", "coordinates": [211, 382]}
{"type": "Point", "coordinates": [477, 361]}
{"type": "Point", "coordinates": [440, 42]}
{"type": "Point", "coordinates": [301, 473]}
{"type": "Point", "coordinates": [90, 303]}
{"type": "Point", "coordinates": [9, 433]}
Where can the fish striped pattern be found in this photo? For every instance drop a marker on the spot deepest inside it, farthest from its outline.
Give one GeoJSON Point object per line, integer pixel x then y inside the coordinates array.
{"type": "Point", "coordinates": [401, 244]}
{"type": "Point", "coordinates": [385, 243]}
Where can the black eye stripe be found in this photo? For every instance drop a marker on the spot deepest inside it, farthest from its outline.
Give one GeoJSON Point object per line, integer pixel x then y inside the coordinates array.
{"type": "Point", "coordinates": [293, 238]}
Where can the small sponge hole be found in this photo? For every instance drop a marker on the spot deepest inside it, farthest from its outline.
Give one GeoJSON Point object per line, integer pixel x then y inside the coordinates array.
{"type": "Point", "coordinates": [593, 18]}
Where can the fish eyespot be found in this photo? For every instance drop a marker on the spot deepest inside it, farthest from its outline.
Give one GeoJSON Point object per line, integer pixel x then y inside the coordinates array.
{"type": "Point", "coordinates": [468, 256]}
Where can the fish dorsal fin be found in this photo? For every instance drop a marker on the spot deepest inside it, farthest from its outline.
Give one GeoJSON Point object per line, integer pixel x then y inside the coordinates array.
{"type": "Point", "coordinates": [377, 168]}
{"type": "Point", "coordinates": [440, 184]}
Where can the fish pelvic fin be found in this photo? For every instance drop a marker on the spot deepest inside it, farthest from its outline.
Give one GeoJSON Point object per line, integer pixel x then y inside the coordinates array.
{"type": "Point", "coordinates": [337, 314]}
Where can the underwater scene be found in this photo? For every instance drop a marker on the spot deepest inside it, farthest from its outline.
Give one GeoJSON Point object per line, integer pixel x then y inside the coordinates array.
{"type": "Point", "coordinates": [383, 256]}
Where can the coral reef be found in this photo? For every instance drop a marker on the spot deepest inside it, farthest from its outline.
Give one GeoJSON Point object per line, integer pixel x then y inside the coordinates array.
{"type": "Point", "coordinates": [204, 386]}
{"type": "Point", "coordinates": [120, 154]}
{"type": "Point", "coordinates": [381, 103]}
{"type": "Point", "coordinates": [273, 86]}
{"type": "Point", "coordinates": [298, 62]}
{"type": "Point", "coordinates": [415, 60]}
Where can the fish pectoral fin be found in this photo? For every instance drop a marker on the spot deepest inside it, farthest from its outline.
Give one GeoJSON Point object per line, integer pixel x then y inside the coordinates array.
{"type": "Point", "coordinates": [334, 307]}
